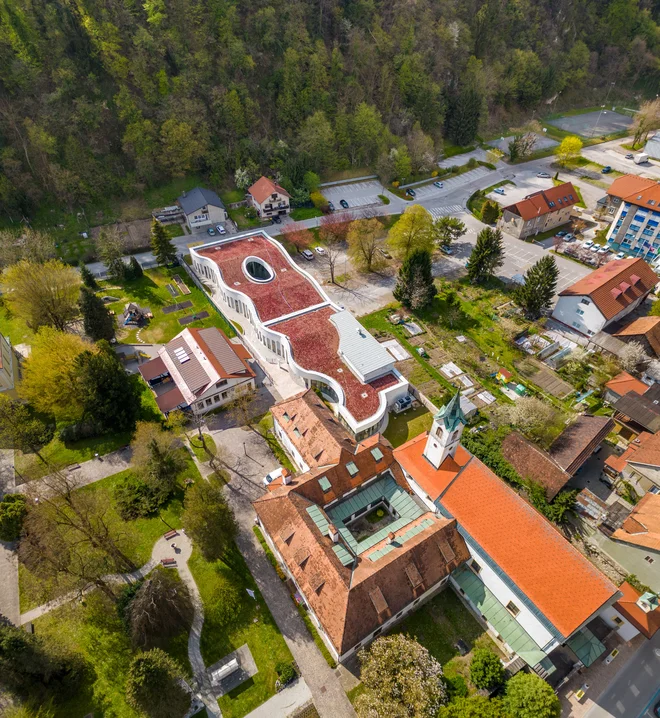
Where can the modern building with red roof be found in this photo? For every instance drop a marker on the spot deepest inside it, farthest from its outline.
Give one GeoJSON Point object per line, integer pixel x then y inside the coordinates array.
{"type": "Point", "coordinates": [539, 211]}
{"type": "Point", "coordinates": [287, 319]}
{"type": "Point", "coordinates": [200, 369]}
{"type": "Point", "coordinates": [540, 597]}
{"type": "Point", "coordinates": [623, 187]}
{"type": "Point", "coordinates": [268, 198]}
{"type": "Point", "coordinates": [605, 296]}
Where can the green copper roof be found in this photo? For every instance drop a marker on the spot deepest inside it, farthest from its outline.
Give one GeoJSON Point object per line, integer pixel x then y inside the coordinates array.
{"type": "Point", "coordinates": [451, 414]}
{"type": "Point", "coordinates": [586, 646]}
{"type": "Point", "coordinates": [325, 484]}
{"type": "Point", "coordinates": [343, 555]}
{"type": "Point", "coordinates": [498, 616]}
{"type": "Point", "coordinates": [400, 539]}
{"type": "Point", "coordinates": [319, 519]}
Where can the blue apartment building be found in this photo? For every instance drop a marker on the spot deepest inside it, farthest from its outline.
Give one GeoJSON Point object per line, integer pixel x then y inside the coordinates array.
{"type": "Point", "coordinates": [636, 226]}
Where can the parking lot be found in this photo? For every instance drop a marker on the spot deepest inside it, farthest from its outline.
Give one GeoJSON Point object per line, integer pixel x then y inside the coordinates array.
{"type": "Point", "coordinates": [524, 185]}
{"type": "Point", "coordinates": [594, 124]}
{"type": "Point", "coordinates": [357, 194]}
{"type": "Point", "coordinates": [542, 143]}
{"type": "Point", "coordinates": [519, 258]}
{"type": "Point", "coordinates": [429, 191]}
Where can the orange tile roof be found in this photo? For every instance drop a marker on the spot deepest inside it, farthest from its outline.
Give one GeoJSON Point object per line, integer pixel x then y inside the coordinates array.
{"type": "Point", "coordinates": [646, 449]}
{"type": "Point", "coordinates": [615, 285]}
{"type": "Point", "coordinates": [433, 481]}
{"type": "Point", "coordinates": [538, 203]}
{"type": "Point", "coordinates": [554, 575]}
{"type": "Point", "coordinates": [647, 623]}
{"type": "Point", "coordinates": [263, 188]}
{"type": "Point", "coordinates": [628, 185]}
{"type": "Point", "coordinates": [622, 383]}
{"type": "Point", "coordinates": [648, 196]}
{"type": "Point", "coordinates": [642, 527]}
{"type": "Point", "coordinates": [648, 327]}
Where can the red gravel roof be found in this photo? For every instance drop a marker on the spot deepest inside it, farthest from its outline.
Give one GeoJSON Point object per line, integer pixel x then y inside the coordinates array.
{"type": "Point", "coordinates": [315, 342]}
{"type": "Point", "coordinates": [289, 292]}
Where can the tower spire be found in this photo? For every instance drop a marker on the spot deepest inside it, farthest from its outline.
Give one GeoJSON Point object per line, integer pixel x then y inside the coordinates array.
{"type": "Point", "coordinates": [445, 434]}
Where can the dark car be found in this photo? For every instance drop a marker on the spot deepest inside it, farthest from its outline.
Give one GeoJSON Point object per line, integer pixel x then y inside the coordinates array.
{"type": "Point", "coordinates": [343, 203]}
{"type": "Point", "coordinates": [563, 233]}
{"type": "Point", "coordinates": [656, 709]}
{"type": "Point", "coordinates": [211, 231]}
{"type": "Point", "coordinates": [630, 156]}
{"type": "Point", "coordinates": [410, 193]}
{"type": "Point", "coordinates": [277, 220]}
{"type": "Point", "coordinates": [606, 170]}
{"type": "Point", "coordinates": [385, 253]}
{"type": "Point", "coordinates": [331, 207]}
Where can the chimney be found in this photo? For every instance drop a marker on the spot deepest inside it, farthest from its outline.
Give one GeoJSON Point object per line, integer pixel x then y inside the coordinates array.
{"type": "Point", "coordinates": [334, 534]}
{"type": "Point", "coordinates": [390, 537]}
{"type": "Point", "coordinates": [286, 477]}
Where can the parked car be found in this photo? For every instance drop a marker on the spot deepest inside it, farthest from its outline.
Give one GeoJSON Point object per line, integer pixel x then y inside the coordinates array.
{"type": "Point", "coordinates": [543, 175]}
{"type": "Point", "coordinates": [211, 231]}
{"type": "Point", "coordinates": [274, 474]}
{"type": "Point", "coordinates": [587, 244]}
{"type": "Point", "coordinates": [319, 250]}
{"type": "Point", "coordinates": [331, 207]}
{"type": "Point", "coordinates": [439, 185]}
{"type": "Point", "coordinates": [446, 250]}
{"type": "Point", "coordinates": [630, 156]}
{"type": "Point", "coordinates": [385, 253]}
{"type": "Point", "coordinates": [563, 233]}
{"type": "Point", "coordinates": [410, 192]}
{"type": "Point", "coordinates": [405, 402]}
{"type": "Point", "coordinates": [220, 229]}
{"type": "Point", "coordinates": [603, 250]}
{"type": "Point", "coordinates": [620, 255]}
{"type": "Point", "coordinates": [595, 248]}
{"type": "Point", "coordinates": [569, 237]}
{"type": "Point", "coordinates": [606, 170]}
{"type": "Point", "coordinates": [343, 203]}
{"type": "Point", "coordinates": [498, 190]}
{"type": "Point", "coordinates": [307, 254]}
{"type": "Point", "coordinates": [276, 220]}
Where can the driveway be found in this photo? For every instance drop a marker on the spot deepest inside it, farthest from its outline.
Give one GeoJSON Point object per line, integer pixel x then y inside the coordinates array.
{"type": "Point", "coordinates": [523, 185]}
{"type": "Point", "coordinates": [478, 154]}
{"type": "Point", "coordinates": [9, 600]}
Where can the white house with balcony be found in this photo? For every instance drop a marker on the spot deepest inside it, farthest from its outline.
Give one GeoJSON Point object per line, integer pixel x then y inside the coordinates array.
{"type": "Point", "coordinates": [268, 198]}
{"type": "Point", "coordinates": [289, 322]}
{"type": "Point", "coordinates": [202, 208]}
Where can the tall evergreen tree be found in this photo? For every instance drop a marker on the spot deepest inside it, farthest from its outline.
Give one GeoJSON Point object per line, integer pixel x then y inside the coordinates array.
{"type": "Point", "coordinates": [87, 277]}
{"type": "Point", "coordinates": [539, 288]}
{"type": "Point", "coordinates": [487, 255]}
{"type": "Point", "coordinates": [161, 244]}
{"type": "Point", "coordinates": [415, 288]}
{"type": "Point", "coordinates": [134, 270]}
{"type": "Point", "coordinates": [97, 320]}
{"type": "Point", "coordinates": [463, 114]}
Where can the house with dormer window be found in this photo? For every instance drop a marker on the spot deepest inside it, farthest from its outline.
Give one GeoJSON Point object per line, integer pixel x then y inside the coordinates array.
{"type": "Point", "coordinates": [539, 211]}
{"type": "Point", "coordinates": [268, 198]}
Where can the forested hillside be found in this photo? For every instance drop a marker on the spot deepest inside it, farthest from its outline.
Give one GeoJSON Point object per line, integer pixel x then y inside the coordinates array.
{"type": "Point", "coordinates": [101, 98]}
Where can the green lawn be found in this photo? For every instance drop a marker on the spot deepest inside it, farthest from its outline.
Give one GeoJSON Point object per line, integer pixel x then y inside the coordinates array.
{"type": "Point", "coordinates": [138, 536]}
{"type": "Point", "coordinates": [230, 196]}
{"type": "Point", "coordinates": [450, 150]}
{"type": "Point", "coordinates": [198, 446]}
{"type": "Point", "coordinates": [305, 213]}
{"type": "Point", "coordinates": [254, 626]}
{"type": "Point", "coordinates": [407, 425]}
{"type": "Point", "coordinates": [478, 199]}
{"type": "Point", "coordinates": [14, 328]}
{"type": "Point", "coordinates": [151, 291]}
{"type": "Point", "coordinates": [174, 230]}
{"type": "Point", "coordinates": [265, 428]}
{"type": "Point", "coordinates": [61, 454]}
{"type": "Point", "coordinates": [243, 222]}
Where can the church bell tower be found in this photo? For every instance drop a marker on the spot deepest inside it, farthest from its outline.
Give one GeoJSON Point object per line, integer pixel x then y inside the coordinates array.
{"type": "Point", "coordinates": [446, 432]}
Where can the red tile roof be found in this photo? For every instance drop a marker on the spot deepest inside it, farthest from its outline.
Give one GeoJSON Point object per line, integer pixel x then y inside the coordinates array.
{"type": "Point", "coordinates": [170, 399]}
{"type": "Point", "coordinates": [648, 327]}
{"type": "Point", "coordinates": [222, 353]}
{"type": "Point", "coordinates": [539, 203]}
{"type": "Point", "coordinates": [531, 462]}
{"type": "Point", "coordinates": [576, 443]}
{"type": "Point", "coordinates": [646, 449]}
{"type": "Point", "coordinates": [290, 291]}
{"type": "Point", "coordinates": [315, 344]}
{"type": "Point", "coordinates": [615, 285]}
{"type": "Point", "coordinates": [649, 196]}
{"type": "Point", "coordinates": [647, 623]}
{"type": "Point", "coordinates": [622, 383]}
{"type": "Point", "coordinates": [263, 188]}
{"type": "Point", "coordinates": [629, 185]}
{"type": "Point", "coordinates": [642, 527]}
{"type": "Point", "coordinates": [151, 369]}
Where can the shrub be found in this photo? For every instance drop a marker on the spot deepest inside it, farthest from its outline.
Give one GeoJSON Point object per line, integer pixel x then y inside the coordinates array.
{"type": "Point", "coordinates": [396, 183]}
{"type": "Point", "coordinates": [384, 199]}
{"type": "Point", "coordinates": [434, 173]}
{"type": "Point", "coordinates": [126, 595]}
{"type": "Point", "coordinates": [286, 671]}
{"type": "Point", "coordinates": [456, 687]}
{"type": "Point", "coordinates": [133, 499]}
{"type": "Point", "coordinates": [153, 685]}
{"type": "Point", "coordinates": [13, 510]}
{"type": "Point", "coordinates": [486, 669]}
{"type": "Point", "coordinates": [250, 213]}
{"type": "Point", "coordinates": [472, 162]}
{"type": "Point", "coordinates": [319, 201]}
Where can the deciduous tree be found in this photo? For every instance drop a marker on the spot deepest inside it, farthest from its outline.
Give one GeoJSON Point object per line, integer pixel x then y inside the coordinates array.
{"type": "Point", "coordinates": [97, 320]}
{"type": "Point", "coordinates": [646, 120]}
{"type": "Point", "coordinates": [153, 685]}
{"type": "Point", "coordinates": [21, 430]}
{"type": "Point", "coordinates": [474, 707]}
{"type": "Point", "coordinates": [537, 292]}
{"type": "Point", "coordinates": [415, 288]}
{"type": "Point", "coordinates": [535, 417]}
{"type": "Point", "coordinates": [568, 150]}
{"type": "Point", "coordinates": [161, 244]}
{"type": "Point", "coordinates": [487, 255]}
{"type": "Point", "coordinates": [363, 244]}
{"type": "Point", "coordinates": [13, 510]}
{"type": "Point", "coordinates": [486, 669]}
{"type": "Point", "coordinates": [110, 248]}
{"type": "Point", "coordinates": [42, 294]}
{"type": "Point", "coordinates": [529, 696]}
{"type": "Point", "coordinates": [632, 356]}
{"type": "Point", "coordinates": [298, 235]}
{"type": "Point", "coordinates": [414, 230]}
{"type": "Point", "coordinates": [333, 230]}
{"type": "Point", "coordinates": [32, 245]}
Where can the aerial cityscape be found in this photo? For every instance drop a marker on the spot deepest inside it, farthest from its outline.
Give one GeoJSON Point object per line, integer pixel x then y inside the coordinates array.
{"type": "Point", "coordinates": [330, 359]}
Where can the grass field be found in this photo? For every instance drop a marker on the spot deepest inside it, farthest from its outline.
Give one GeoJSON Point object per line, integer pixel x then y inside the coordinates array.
{"type": "Point", "coordinates": [198, 446]}
{"type": "Point", "coordinates": [151, 291]}
{"type": "Point", "coordinates": [241, 221]}
{"type": "Point", "coordinates": [407, 425]}
{"type": "Point", "coordinates": [302, 213]}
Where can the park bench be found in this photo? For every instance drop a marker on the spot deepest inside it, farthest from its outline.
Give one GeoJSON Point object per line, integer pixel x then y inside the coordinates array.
{"type": "Point", "coordinates": [170, 534]}
{"type": "Point", "coordinates": [168, 562]}
{"type": "Point", "coordinates": [72, 467]}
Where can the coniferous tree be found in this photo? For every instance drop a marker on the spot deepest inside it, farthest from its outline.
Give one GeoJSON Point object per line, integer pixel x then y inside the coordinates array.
{"type": "Point", "coordinates": [87, 277]}
{"type": "Point", "coordinates": [448, 229]}
{"type": "Point", "coordinates": [490, 212]}
{"type": "Point", "coordinates": [487, 255]}
{"type": "Point", "coordinates": [415, 288]}
{"type": "Point", "coordinates": [97, 320]}
{"type": "Point", "coordinates": [539, 288]}
{"type": "Point", "coordinates": [153, 686]}
{"type": "Point", "coordinates": [463, 114]}
{"type": "Point", "coordinates": [161, 244]}
{"type": "Point", "coordinates": [134, 270]}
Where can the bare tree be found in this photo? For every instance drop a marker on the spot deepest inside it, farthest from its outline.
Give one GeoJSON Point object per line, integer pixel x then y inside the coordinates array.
{"type": "Point", "coordinates": [333, 231]}
{"type": "Point", "coordinates": [632, 356]}
{"type": "Point", "coordinates": [646, 120]}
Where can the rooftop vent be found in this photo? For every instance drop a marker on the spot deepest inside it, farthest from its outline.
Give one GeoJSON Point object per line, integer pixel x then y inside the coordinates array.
{"type": "Point", "coordinates": [237, 284]}
{"type": "Point", "coordinates": [364, 395]}
{"type": "Point", "coordinates": [360, 331]}
{"type": "Point", "coordinates": [340, 371]}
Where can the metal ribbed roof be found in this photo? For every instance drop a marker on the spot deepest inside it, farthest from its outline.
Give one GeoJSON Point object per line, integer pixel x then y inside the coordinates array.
{"type": "Point", "coordinates": [318, 517]}
{"type": "Point", "coordinates": [191, 370]}
{"type": "Point", "coordinates": [358, 346]}
{"type": "Point", "coordinates": [343, 555]}
{"type": "Point", "coordinates": [400, 540]}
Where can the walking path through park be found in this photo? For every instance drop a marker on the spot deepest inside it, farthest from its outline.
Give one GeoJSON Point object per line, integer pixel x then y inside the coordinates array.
{"type": "Point", "coordinates": [9, 598]}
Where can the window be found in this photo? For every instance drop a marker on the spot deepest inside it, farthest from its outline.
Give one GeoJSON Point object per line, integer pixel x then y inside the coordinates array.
{"type": "Point", "coordinates": [221, 383]}
{"type": "Point", "coordinates": [377, 453]}
{"type": "Point", "coordinates": [585, 301]}
{"type": "Point", "coordinates": [654, 490]}
{"type": "Point", "coordinates": [378, 632]}
{"type": "Point", "coordinates": [209, 402]}
{"type": "Point", "coordinates": [579, 311]}
{"type": "Point", "coordinates": [296, 432]}
{"type": "Point", "coordinates": [577, 325]}
{"type": "Point", "coordinates": [617, 620]}
{"type": "Point", "coordinates": [475, 566]}
{"type": "Point", "coordinates": [216, 398]}
{"type": "Point", "coordinates": [512, 608]}
{"type": "Point", "coordinates": [352, 468]}
{"type": "Point", "coordinates": [648, 559]}
{"type": "Point", "coordinates": [325, 484]}
{"type": "Point", "coordinates": [200, 405]}
{"type": "Point", "coordinates": [225, 394]}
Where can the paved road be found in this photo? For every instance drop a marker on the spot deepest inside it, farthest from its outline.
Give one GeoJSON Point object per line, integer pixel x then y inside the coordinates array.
{"type": "Point", "coordinates": [611, 153]}
{"type": "Point", "coordinates": [635, 689]}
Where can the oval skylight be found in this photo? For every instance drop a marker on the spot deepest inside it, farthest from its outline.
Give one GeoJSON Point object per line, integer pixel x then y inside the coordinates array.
{"type": "Point", "coordinates": [256, 270]}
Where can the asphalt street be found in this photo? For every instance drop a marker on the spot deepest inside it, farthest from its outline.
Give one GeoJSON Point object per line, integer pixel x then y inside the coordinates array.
{"type": "Point", "coordinates": [611, 153]}
{"type": "Point", "coordinates": [635, 690]}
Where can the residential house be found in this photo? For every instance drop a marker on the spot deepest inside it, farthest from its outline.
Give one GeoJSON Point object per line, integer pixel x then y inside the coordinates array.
{"type": "Point", "coordinates": [622, 187]}
{"type": "Point", "coordinates": [202, 208]}
{"type": "Point", "coordinates": [652, 147]}
{"type": "Point", "coordinates": [9, 369]}
{"type": "Point", "coordinates": [553, 469]}
{"type": "Point", "coordinates": [358, 577]}
{"type": "Point", "coordinates": [642, 527]}
{"type": "Point", "coordinates": [605, 296]}
{"type": "Point", "coordinates": [268, 198]}
{"type": "Point", "coordinates": [639, 610]}
{"type": "Point", "coordinates": [620, 385]}
{"type": "Point", "coordinates": [645, 331]}
{"type": "Point", "coordinates": [539, 211]}
{"type": "Point", "coordinates": [288, 320]}
{"type": "Point", "coordinates": [199, 370]}
{"type": "Point", "coordinates": [636, 225]}
{"type": "Point", "coordinates": [638, 465]}
{"type": "Point", "coordinates": [309, 432]}
{"type": "Point", "coordinates": [540, 598]}
{"type": "Point", "coordinates": [634, 414]}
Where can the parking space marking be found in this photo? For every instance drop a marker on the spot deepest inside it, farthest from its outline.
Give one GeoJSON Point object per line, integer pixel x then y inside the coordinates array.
{"type": "Point", "coordinates": [363, 201]}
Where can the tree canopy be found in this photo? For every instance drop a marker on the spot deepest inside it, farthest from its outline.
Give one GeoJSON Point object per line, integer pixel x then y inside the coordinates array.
{"type": "Point", "coordinates": [487, 255]}
{"type": "Point", "coordinates": [414, 287]}
{"type": "Point", "coordinates": [529, 696]}
{"type": "Point", "coordinates": [414, 230]}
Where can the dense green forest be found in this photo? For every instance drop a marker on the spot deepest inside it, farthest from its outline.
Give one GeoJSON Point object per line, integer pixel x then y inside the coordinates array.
{"type": "Point", "coordinates": [103, 98]}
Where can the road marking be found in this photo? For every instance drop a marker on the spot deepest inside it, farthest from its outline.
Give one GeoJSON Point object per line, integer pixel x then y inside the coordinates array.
{"type": "Point", "coordinates": [438, 212]}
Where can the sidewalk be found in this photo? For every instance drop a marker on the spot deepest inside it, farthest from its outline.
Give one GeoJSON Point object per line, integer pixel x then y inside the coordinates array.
{"type": "Point", "coordinates": [9, 598]}
{"type": "Point", "coordinates": [283, 704]}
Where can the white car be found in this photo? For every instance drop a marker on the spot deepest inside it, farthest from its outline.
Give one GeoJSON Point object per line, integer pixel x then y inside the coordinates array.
{"type": "Point", "coordinates": [603, 250]}
{"type": "Point", "coordinates": [498, 190]}
{"type": "Point", "coordinates": [319, 250]}
{"type": "Point", "coordinates": [594, 248]}
{"type": "Point", "coordinates": [275, 474]}
{"type": "Point", "coordinates": [620, 255]}
{"type": "Point", "coordinates": [220, 229]}
{"type": "Point", "coordinates": [588, 243]}
{"type": "Point", "coordinates": [543, 175]}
